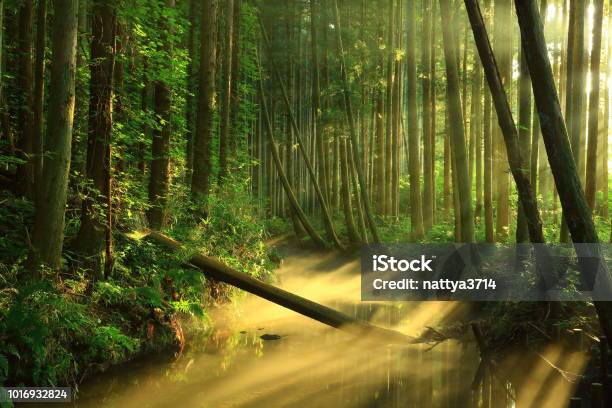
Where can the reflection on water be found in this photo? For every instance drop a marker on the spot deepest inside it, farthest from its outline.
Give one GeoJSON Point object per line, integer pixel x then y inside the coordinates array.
{"type": "Point", "coordinates": [311, 365]}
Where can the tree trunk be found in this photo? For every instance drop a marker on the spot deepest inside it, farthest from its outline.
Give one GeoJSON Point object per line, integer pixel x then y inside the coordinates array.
{"type": "Point", "coordinates": [316, 124]}
{"type": "Point", "coordinates": [25, 76]}
{"type": "Point", "coordinates": [416, 214]}
{"type": "Point", "coordinates": [351, 228]}
{"type": "Point", "coordinates": [506, 123]}
{"type": "Point", "coordinates": [575, 208]}
{"type": "Point", "coordinates": [455, 116]}
{"type": "Point", "coordinates": [235, 126]}
{"type": "Point", "coordinates": [316, 238]}
{"type": "Point", "coordinates": [319, 195]}
{"type": "Point", "coordinates": [202, 141]}
{"type": "Point", "coordinates": [352, 131]}
{"type": "Point", "coordinates": [524, 142]}
{"type": "Point", "coordinates": [39, 91]}
{"type": "Point", "coordinates": [160, 147]}
{"type": "Point", "coordinates": [48, 234]}
{"type": "Point", "coordinates": [189, 100]}
{"type": "Point", "coordinates": [95, 236]}
{"type": "Point", "coordinates": [224, 135]}
{"type": "Point", "coordinates": [591, 174]}
{"type": "Point", "coordinates": [323, 314]}
{"type": "Point", "coordinates": [503, 50]}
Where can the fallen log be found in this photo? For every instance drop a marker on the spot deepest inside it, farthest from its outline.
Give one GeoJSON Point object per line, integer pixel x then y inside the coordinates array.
{"type": "Point", "coordinates": [221, 272]}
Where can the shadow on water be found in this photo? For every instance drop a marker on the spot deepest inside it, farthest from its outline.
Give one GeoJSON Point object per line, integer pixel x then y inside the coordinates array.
{"type": "Point", "coordinates": [306, 364]}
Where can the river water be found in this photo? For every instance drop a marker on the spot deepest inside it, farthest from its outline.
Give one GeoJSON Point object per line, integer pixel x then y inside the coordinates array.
{"type": "Point", "coordinates": [262, 355]}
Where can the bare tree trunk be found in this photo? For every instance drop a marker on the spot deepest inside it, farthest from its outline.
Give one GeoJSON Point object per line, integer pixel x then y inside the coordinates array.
{"type": "Point", "coordinates": [227, 91]}
{"type": "Point", "coordinates": [95, 236]}
{"type": "Point", "coordinates": [25, 74]}
{"type": "Point", "coordinates": [416, 214]}
{"type": "Point", "coordinates": [39, 91]}
{"type": "Point", "coordinates": [319, 195]}
{"type": "Point", "coordinates": [591, 173]}
{"type": "Point", "coordinates": [202, 149]}
{"type": "Point", "coordinates": [458, 135]}
{"type": "Point", "coordinates": [189, 100]}
{"type": "Point", "coordinates": [48, 234]}
{"type": "Point", "coordinates": [352, 131]}
{"type": "Point", "coordinates": [160, 147]}
{"type": "Point", "coordinates": [316, 238]}
{"type": "Point", "coordinates": [506, 123]}
{"type": "Point", "coordinates": [428, 154]}
{"type": "Point", "coordinates": [575, 208]}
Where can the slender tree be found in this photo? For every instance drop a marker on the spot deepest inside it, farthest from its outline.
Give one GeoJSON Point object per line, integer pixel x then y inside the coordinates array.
{"type": "Point", "coordinates": [593, 125]}
{"type": "Point", "coordinates": [352, 130]}
{"type": "Point", "coordinates": [457, 135]}
{"type": "Point", "coordinates": [25, 82]}
{"type": "Point", "coordinates": [575, 208]}
{"type": "Point", "coordinates": [416, 214]}
{"type": "Point", "coordinates": [224, 135]}
{"type": "Point", "coordinates": [159, 180]}
{"type": "Point", "coordinates": [202, 141]}
{"type": "Point", "coordinates": [39, 90]}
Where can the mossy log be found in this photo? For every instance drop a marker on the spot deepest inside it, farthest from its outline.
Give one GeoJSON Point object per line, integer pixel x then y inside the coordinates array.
{"type": "Point", "coordinates": [215, 269]}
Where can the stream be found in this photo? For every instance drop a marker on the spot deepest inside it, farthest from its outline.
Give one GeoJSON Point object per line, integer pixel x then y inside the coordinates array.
{"type": "Point", "coordinates": [263, 355]}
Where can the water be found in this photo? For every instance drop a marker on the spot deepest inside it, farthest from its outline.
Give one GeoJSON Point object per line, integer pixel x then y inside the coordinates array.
{"type": "Point", "coordinates": [312, 365]}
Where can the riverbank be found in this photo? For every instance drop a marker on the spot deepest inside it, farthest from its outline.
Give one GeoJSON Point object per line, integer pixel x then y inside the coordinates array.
{"type": "Point", "coordinates": [66, 327]}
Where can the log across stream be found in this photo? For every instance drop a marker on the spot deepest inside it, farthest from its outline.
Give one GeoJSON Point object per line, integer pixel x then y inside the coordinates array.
{"type": "Point", "coordinates": [213, 268]}
{"type": "Point", "coordinates": [259, 354]}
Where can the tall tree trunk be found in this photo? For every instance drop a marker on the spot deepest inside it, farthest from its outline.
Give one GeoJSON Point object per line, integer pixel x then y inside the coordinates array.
{"type": "Point", "coordinates": [416, 214]}
{"type": "Point", "coordinates": [316, 238]}
{"type": "Point", "coordinates": [39, 91]}
{"type": "Point", "coordinates": [476, 124]}
{"type": "Point", "coordinates": [25, 83]}
{"type": "Point", "coordinates": [189, 100]}
{"type": "Point", "coordinates": [575, 208]}
{"type": "Point", "coordinates": [388, 109]}
{"type": "Point", "coordinates": [48, 234]}
{"type": "Point", "coordinates": [455, 116]}
{"type": "Point", "coordinates": [309, 167]}
{"type": "Point", "coordinates": [352, 131]}
{"type": "Point", "coordinates": [351, 228]}
{"type": "Point", "coordinates": [224, 135]}
{"type": "Point", "coordinates": [524, 141]}
{"type": "Point", "coordinates": [575, 87]}
{"type": "Point", "coordinates": [503, 50]}
{"type": "Point", "coordinates": [160, 147]}
{"type": "Point", "coordinates": [506, 123]}
{"type": "Point", "coordinates": [202, 141]}
{"type": "Point", "coordinates": [95, 236]}
{"type": "Point", "coordinates": [591, 174]}
{"type": "Point", "coordinates": [235, 127]}
{"type": "Point", "coordinates": [316, 124]}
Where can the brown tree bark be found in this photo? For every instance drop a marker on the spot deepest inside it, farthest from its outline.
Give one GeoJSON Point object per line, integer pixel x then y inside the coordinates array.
{"type": "Point", "coordinates": [159, 180]}
{"type": "Point", "coordinates": [591, 165]}
{"type": "Point", "coordinates": [202, 141]}
{"type": "Point", "coordinates": [224, 134]}
{"type": "Point", "coordinates": [575, 208]}
{"type": "Point", "coordinates": [95, 235]}
{"type": "Point", "coordinates": [512, 140]}
{"type": "Point", "coordinates": [48, 233]}
{"type": "Point", "coordinates": [25, 77]}
{"type": "Point", "coordinates": [39, 91]}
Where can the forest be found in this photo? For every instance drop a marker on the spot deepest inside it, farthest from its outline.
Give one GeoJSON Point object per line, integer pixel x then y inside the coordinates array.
{"type": "Point", "coordinates": [160, 158]}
